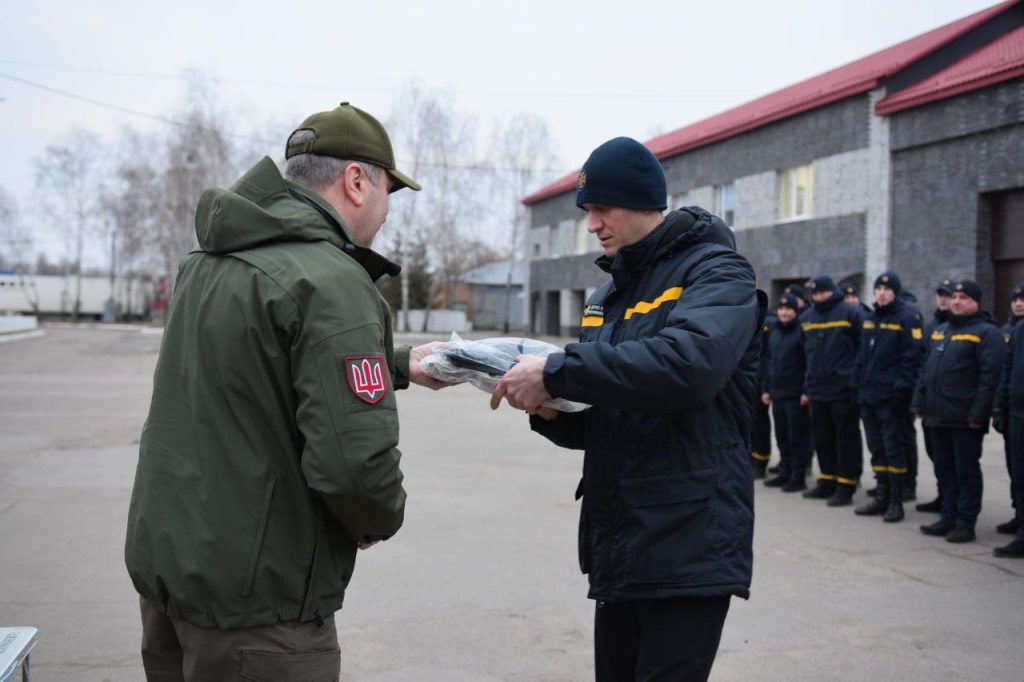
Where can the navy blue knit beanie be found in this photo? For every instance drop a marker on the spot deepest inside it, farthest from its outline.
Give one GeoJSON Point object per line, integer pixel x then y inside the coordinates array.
{"type": "Point", "coordinates": [622, 172]}
{"type": "Point", "coordinates": [969, 287]}
{"type": "Point", "coordinates": [891, 280]}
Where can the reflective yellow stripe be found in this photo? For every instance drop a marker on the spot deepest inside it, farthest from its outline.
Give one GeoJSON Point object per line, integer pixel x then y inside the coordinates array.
{"type": "Point", "coordinates": [826, 477]}
{"type": "Point", "coordinates": [869, 325]}
{"type": "Point", "coordinates": [918, 335]}
{"type": "Point", "coordinates": [845, 481]}
{"type": "Point", "coordinates": [889, 470]}
{"type": "Point", "coordinates": [592, 321]}
{"type": "Point", "coordinates": [643, 307]}
{"type": "Point", "coordinates": [759, 457]}
{"type": "Point", "coordinates": [814, 326]}
{"type": "Point", "coordinates": [936, 336]}
{"type": "Point", "coordinates": [891, 327]}
{"type": "Point", "coordinates": [965, 337]}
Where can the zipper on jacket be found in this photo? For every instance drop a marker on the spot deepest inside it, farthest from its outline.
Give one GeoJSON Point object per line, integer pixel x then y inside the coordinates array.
{"type": "Point", "coordinates": [257, 544]}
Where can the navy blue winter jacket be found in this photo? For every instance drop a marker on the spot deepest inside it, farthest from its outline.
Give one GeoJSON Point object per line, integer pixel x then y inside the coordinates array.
{"type": "Point", "coordinates": [892, 348]}
{"type": "Point", "coordinates": [668, 358]}
{"type": "Point", "coordinates": [1010, 394]}
{"type": "Point", "coordinates": [831, 340]}
{"type": "Point", "coordinates": [958, 383]}
{"type": "Point", "coordinates": [786, 365]}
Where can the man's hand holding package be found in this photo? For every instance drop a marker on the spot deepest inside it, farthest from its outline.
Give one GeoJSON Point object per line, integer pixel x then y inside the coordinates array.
{"type": "Point", "coordinates": [523, 385]}
{"type": "Point", "coordinates": [416, 375]}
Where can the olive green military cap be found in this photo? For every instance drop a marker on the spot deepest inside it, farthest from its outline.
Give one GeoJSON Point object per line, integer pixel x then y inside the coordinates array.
{"type": "Point", "coordinates": [348, 132]}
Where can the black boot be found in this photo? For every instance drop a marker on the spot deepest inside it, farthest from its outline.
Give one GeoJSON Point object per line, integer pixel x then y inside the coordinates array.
{"type": "Point", "coordinates": [939, 528]}
{"type": "Point", "coordinates": [960, 535]}
{"type": "Point", "coordinates": [933, 507]}
{"type": "Point", "coordinates": [777, 481]}
{"type": "Point", "coordinates": [877, 503]}
{"type": "Point", "coordinates": [759, 466]}
{"type": "Point", "coordinates": [894, 514]}
{"type": "Point", "coordinates": [822, 491]}
{"type": "Point", "coordinates": [773, 470]}
{"type": "Point", "coordinates": [795, 485]}
{"type": "Point", "coordinates": [1014, 550]}
{"type": "Point", "coordinates": [1008, 528]}
{"type": "Point", "coordinates": [842, 497]}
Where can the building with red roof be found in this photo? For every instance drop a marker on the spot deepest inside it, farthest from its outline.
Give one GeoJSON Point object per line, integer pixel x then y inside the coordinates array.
{"type": "Point", "coordinates": [911, 159]}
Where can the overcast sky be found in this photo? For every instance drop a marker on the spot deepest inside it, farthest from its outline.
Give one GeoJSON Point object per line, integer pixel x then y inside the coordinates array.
{"type": "Point", "coordinates": [592, 69]}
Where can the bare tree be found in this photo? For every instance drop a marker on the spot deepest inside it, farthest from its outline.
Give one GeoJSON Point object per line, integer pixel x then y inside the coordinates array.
{"type": "Point", "coordinates": [14, 241]}
{"type": "Point", "coordinates": [522, 150]}
{"type": "Point", "coordinates": [69, 176]}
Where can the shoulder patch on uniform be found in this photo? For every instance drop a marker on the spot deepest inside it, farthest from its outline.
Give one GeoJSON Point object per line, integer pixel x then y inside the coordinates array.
{"type": "Point", "coordinates": [366, 377]}
{"type": "Point", "coordinates": [917, 333]}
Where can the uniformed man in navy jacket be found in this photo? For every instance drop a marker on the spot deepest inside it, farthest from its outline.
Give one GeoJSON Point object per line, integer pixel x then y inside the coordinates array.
{"type": "Point", "coordinates": [954, 396]}
{"type": "Point", "coordinates": [668, 360]}
{"type": "Point", "coordinates": [887, 367]}
{"type": "Point", "coordinates": [832, 329]}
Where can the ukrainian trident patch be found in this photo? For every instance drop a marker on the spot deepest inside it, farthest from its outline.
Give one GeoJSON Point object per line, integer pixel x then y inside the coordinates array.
{"type": "Point", "coordinates": [366, 376]}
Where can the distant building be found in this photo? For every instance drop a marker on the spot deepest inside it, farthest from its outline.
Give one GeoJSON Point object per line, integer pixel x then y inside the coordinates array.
{"type": "Point", "coordinates": [909, 159]}
{"type": "Point", "coordinates": [487, 298]}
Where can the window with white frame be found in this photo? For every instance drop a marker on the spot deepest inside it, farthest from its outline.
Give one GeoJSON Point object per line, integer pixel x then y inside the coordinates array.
{"type": "Point", "coordinates": [796, 192]}
{"type": "Point", "coordinates": [725, 202]}
{"type": "Point", "coordinates": [582, 236]}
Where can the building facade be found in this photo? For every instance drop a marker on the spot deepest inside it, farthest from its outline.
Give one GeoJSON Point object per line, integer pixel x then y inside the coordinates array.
{"type": "Point", "coordinates": [910, 159]}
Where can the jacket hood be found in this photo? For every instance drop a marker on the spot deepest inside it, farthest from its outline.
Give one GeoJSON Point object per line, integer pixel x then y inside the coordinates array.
{"type": "Point", "coordinates": [263, 207]}
{"type": "Point", "coordinates": [679, 230]}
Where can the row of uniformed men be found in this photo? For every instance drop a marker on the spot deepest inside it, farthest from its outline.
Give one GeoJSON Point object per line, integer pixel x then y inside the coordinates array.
{"type": "Point", "coordinates": [831, 362]}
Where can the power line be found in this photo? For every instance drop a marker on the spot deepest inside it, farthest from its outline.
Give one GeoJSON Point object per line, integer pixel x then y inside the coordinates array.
{"type": "Point", "coordinates": [250, 138]}
{"type": "Point", "coordinates": [125, 110]}
{"type": "Point", "coordinates": [334, 87]}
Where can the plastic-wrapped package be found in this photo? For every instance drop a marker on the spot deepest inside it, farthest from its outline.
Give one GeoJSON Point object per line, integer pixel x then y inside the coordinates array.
{"type": "Point", "coordinates": [482, 363]}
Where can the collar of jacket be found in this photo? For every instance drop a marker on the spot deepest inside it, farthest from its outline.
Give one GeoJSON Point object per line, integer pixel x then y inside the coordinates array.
{"type": "Point", "coordinates": [893, 307]}
{"type": "Point", "coordinates": [678, 231]}
{"type": "Point", "coordinates": [787, 326]}
{"type": "Point", "coordinates": [375, 264]}
{"type": "Point", "coordinates": [964, 320]}
{"type": "Point", "coordinates": [829, 304]}
{"type": "Point", "coordinates": [941, 316]}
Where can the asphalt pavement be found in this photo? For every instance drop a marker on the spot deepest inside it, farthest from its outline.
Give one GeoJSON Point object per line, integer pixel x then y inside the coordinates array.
{"type": "Point", "coordinates": [482, 582]}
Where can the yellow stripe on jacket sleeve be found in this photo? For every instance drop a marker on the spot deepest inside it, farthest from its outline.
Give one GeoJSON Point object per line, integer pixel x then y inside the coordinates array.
{"type": "Point", "coordinates": [644, 307]}
{"type": "Point", "coordinates": [592, 321]}
{"type": "Point", "coordinates": [965, 337]}
{"type": "Point", "coordinates": [815, 326]}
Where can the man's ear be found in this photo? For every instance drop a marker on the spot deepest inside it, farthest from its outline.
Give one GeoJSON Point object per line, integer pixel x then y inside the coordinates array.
{"type": "Point", "coordinates": [353, 181]}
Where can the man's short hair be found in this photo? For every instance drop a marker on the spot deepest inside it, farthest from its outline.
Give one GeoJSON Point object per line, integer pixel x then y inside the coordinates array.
{"type": "Point", "coordinates": [316, 171]}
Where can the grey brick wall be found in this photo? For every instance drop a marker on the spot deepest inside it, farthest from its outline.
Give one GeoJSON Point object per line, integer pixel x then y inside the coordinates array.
{"type": "Point", "coordinates": [806, 248]}
{"type": "Point", "coordinates": [944, 162]}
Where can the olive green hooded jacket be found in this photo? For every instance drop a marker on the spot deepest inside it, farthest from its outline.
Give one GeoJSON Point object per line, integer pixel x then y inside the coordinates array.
{"type": "Point", "coordinates": [270, 447]}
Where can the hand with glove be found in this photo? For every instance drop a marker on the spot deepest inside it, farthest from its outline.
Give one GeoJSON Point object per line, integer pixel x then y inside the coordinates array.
{"type": "Point", "coordinates": [999, 422]}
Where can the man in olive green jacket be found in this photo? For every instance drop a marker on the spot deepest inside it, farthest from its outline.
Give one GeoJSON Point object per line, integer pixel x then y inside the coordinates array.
{"type": "Point", "coordinates": [270, 450]}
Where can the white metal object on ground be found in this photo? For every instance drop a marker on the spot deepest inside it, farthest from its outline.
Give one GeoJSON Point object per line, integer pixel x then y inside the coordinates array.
{"type": "Point", "coordinates": [15, 646]}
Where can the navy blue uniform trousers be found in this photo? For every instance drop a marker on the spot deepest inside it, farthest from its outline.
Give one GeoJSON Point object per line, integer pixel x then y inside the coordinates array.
{"type": "Point", "coordinates": [658, 640]}
{"type": "Point", "coordinates": [957, 456]}
{"type": "Point", "coordinates": [793, 434]}
{"type": "Point", "coordinates": [1015, 452]}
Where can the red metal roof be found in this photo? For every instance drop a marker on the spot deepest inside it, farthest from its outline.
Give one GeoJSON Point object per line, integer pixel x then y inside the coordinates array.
{"type": "Point", "coordinates": [1000, 60]}
{"type": "Point", "coordinates": [854, 78]}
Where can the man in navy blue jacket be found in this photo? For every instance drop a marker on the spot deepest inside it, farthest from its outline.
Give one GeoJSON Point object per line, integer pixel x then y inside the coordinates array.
{"type": "Point", "coordinates": [955, 393]}
{"type": "Point", "coordinates": [1008, 417]}
{"type": "Point", "coordinates": [887, 367]}
{"type": "Point", "coordinates": [668, 360]}
{"type": "Point", "coordinates": [832, 329]}
{"type": "Point", "coordinates": [783, 388]}
{"type": "Point", "coordinates": [1002, 412]}
{"type": "Point", "coordinates": [943, 293]}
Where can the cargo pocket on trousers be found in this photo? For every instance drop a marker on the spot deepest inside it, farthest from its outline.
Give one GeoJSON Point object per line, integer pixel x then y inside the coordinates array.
{"type": "Point", "coordinates": [268, 666]}
{"type": "Point", "coordinates": [666, 520]}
